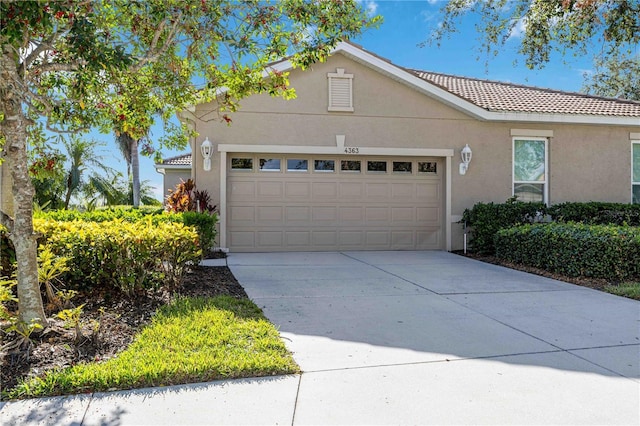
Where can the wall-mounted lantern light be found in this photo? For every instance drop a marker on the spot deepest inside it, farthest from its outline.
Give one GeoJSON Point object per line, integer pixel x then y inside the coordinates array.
{"type": "Point", "coordinates": [206, 149]}
{"type": "Point", "coordinates": [465, 155]}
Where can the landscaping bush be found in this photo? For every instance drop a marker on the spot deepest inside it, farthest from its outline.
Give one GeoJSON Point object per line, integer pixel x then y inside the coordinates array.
{"type": "Point", "coordinates": [130, 256]}
{"type": "Point", "coordinates": [204, 223]}
{"type": "Point", "coordinates": [596, 213]}
{"type": "Point", "coordinates": [574, 249]}
{"type": "Point", "coordinates": [486, 219]}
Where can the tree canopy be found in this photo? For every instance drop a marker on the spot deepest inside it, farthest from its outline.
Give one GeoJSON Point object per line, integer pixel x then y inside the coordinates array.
{"type": "Point", "coordinates": [610, 28]}
{"type": "Point", "coordinates": [78, 63]}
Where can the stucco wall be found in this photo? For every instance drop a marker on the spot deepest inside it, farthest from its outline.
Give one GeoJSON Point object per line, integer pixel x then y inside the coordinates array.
{"type": "Point", "coordinates": [172, 177]}
{"type": "Point", "coordinates": [586, 162]}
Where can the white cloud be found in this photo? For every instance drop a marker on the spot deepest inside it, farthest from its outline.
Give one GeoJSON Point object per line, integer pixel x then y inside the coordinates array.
{"type": "Point", "coordinates": [519, 29]}
{"type": "Point", "coordinates": [433, 2]}
{"type": "Point", "coordinates": [370, 6]}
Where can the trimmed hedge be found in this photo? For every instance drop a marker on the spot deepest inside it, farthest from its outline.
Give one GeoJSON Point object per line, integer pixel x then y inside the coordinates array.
{"type": "Point", "coordinates": [596, 213]}
{"type": "Point", "coordinates": [574, 249]}
{"type": "Point", "coordinates": [485, 219]}
{"type": "Point", "coordinates": [204, 223]}
{"type": "Point", "coordinates": [125, 255]}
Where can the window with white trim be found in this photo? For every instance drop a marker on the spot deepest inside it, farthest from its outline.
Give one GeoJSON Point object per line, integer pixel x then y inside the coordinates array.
{"type": "Point", "coordinates": [530, 169]}
{"type": "Point", "coordinates": [340, 91]}
{"type": "Point", "coordinates": [635, 172]}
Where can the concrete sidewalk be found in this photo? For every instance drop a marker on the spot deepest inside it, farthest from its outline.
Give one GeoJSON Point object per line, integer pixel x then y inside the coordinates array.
{"type": "Point", "coordinates": [404, 338]}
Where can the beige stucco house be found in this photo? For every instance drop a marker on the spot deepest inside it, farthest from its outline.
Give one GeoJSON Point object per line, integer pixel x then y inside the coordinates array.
{"type": "Point", "coordinates": [368, 156]}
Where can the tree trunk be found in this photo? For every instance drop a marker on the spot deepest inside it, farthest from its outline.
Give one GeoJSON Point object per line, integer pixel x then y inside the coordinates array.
{"type": "Point", "coordinates": [135, 172]}
{"type": "Point", "coordinates": [15, 151]}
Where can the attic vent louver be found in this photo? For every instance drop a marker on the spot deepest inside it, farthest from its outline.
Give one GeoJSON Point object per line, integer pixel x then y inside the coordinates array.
{"type": "Point", "coordinates": [340, 91]}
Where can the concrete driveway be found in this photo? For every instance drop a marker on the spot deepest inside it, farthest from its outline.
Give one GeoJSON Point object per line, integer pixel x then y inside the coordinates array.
{"type": "Point", "coordinates": [432, 337]}
{"type": "Point", "coordinates": [402, 338]}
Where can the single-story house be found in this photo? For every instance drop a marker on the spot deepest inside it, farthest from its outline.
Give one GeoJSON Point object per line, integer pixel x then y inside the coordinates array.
{"type": "Point", "coordinates": [374, 156]}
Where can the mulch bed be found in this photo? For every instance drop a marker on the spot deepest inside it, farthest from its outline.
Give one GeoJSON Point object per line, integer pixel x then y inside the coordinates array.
{"type": "Point", "coordinates": [119, 318]}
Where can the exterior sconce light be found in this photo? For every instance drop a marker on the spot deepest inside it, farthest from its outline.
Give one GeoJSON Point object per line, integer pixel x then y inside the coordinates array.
{"type": "Point", "coordinates": [205, 149]}
{"type": "Point", "coordinates": [465, 155]}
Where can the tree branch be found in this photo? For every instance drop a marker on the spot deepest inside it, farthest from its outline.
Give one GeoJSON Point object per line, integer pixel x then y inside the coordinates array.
{"type": "Point", "coordinates": [153, 54]}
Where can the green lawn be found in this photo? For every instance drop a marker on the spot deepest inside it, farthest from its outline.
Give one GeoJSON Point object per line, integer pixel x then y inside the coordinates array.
{"type": "Point", "coordinates": [192, 340]}
{"type": "Point", "coordinates": [628, 289]}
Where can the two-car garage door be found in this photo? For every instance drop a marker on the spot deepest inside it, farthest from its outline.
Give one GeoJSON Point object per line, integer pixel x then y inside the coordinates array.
{"type": "Point", "coordinates": [326, 203]}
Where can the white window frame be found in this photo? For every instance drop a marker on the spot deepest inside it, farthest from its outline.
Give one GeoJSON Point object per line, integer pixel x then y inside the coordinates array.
{"type": "Point", "coordinates": [635, 143]}
{"type": "Point", "coordinates": [545, 183]}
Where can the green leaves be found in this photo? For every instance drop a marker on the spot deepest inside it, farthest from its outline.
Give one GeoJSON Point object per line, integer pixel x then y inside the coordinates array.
{"type": "Point", "coordinates": [573, 249]}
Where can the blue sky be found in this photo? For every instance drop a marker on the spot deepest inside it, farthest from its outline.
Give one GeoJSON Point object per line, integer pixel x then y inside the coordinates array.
{"type": "Point", "coordinates": [405, 24]}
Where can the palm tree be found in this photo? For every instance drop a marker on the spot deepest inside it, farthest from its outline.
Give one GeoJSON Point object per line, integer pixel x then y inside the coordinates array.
{"type": "Point", "coordinates": [81, 155]}
{"type": "Point", "coordinates": [129, 147]}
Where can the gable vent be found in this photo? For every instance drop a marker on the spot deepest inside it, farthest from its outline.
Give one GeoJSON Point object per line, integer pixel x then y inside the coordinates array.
{"type": "Point", "coordinates": [340, 91]}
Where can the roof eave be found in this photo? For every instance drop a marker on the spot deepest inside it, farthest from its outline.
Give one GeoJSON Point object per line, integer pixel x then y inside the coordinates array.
{"type": "Point", "coordinates": [527, 117]}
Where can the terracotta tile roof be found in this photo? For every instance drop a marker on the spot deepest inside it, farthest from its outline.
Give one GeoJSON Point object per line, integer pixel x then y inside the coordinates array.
{"type": "Point", "coordinates": [506, 97]}
{"type": "Point", "coordinates": [180, 160]}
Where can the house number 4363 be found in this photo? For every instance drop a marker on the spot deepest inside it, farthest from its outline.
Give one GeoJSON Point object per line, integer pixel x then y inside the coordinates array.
{"type": "Point", "coordinates": [351, 150]}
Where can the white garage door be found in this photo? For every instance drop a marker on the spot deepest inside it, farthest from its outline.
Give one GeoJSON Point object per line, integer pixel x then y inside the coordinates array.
{"type": "Point", "coordinates": [326, 203]}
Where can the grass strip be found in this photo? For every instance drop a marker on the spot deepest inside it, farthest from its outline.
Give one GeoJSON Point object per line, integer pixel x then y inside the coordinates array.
{"type": "Point", "coordinates": [189, 341]}
{"type": "Point", "coordinates": [627, 289]}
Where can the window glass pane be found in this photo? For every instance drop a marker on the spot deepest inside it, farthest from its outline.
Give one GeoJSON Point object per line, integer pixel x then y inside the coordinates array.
{"type": "Point", "coordinates": [296, 165]}
{"type": "Point", "coordinates": [427, 167]}
{"type": "Point", "coordinates": [377, 166]}
{"type": "Point", "coordinates": [324, 165]}
{"type": "Point", "coordinates": [636, 162]}
{"type": "Point", "coordinates": [529, 192]}
{"type": "Point", "coordinates": [402, 166]}
{"type": "Point", "coordinates": [270, 164]}
{"type": "Point", "coordinates": [529, 161]}
{"type": "Point", "coordinates": [350, 166]}
{"type": "Point", "coordinates": [636, 194]}
{"type": "Point", "coordinates": [242, 164]}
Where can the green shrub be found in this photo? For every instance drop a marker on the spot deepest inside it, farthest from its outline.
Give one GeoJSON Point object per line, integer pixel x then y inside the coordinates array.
{"type": "Point", "coordinates": [205, 225]}
{"type": "Point", "coordinates": [573, 249]}
{"type": "Point", "coordinates": [486, 219]}
{"type": "Point", "coordinates": [596, 213]}
{"type": "Point", "coordinates": [130, 256]}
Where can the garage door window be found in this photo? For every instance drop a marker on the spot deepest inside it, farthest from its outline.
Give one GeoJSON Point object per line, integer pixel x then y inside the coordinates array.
{"type": "Point", "coordinates": [351, 166]}
{"type": "Point", "coordinates": [402, 167]}
{"type": "Point", "coordinates": [242, 164]}
{"type": "Point", "coordinates": [327, 166]}
{"type": "Point", "coordinates": [377, 166]}
{"type": "Point", "coordinates": [270, 164]}
{"type": "Point", "coordinates": [427, 167]}
{"type": "Point", "coordinates": [297, 165]}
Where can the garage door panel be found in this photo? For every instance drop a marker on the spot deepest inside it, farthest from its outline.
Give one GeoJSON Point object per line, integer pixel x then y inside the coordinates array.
{"type": "Point", "coordinates": [298, 190]}
{"type": "Point", "coordinates": [351, 214]}
{"type": "Point", "coordinates": [403, 239]}
{"type": "Point", "coordinates": [351, 190]}
{"type": "Point", "coordinates": [325, 211]}
{"type": "Point", "coordinates": [270, 214]}
{"type": "Point", "coordinates": [297, 214]}
{"type": "Point", "coordinates": [377, 214]}
{"type": "Point", "coordinates": [403, 191]}
{"type": "Point", "coordinates": [243, 190]}
{"type": "Point", "coordinates": [298, 239]}
{"type": "Point", "coordinates": [430, 190]}
{"type": "Point", "coordinates": [324, 214]}
{"type": "Point", "coordinates": [403, 215]}
{"type": "Point", "coordinates": [269, 239]}
{"type": "Point", "coordinates": [242, 215]}
{"type": "Point", "coordinates": [270, 190]}
{"type": "Point", "coordinates": [324, 238]}
{"type": "Point", "coordinates": [242, 239]}
{"type": "Point", "coordinates": [378, 190]}
{"type": "Point", "coordinates": [351, 239]}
